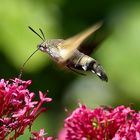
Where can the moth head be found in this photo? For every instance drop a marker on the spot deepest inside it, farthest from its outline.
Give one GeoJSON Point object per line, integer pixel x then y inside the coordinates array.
{"type": "Point", "coordinates": [49, 43]}
{"type": "Point", "coordinates": [42, 47]}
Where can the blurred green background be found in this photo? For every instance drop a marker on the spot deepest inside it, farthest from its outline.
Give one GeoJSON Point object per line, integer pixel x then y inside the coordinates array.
{"type": "Point", "coordinates": [119, 53]}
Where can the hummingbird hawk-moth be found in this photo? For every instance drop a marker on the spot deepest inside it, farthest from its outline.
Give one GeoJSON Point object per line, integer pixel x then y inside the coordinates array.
{"type": "Point", "coordinates": [67, 52]}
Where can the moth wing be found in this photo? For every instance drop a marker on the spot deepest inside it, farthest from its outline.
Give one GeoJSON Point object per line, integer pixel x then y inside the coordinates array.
{"type": "Point", "coordinates": [69, 45]}
{"type": "Point", "coordinates": [92, 43]}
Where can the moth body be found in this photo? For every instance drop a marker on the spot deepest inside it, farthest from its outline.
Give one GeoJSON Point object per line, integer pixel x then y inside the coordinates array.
{"type": "Point", "coordinates": [67, 52]}
{"type": "Point", "coordinates": [77, 61]}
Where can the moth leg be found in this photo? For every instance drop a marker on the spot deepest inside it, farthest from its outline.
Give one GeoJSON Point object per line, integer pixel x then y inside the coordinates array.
{"type": "Point", "coordinates": [77, 72]}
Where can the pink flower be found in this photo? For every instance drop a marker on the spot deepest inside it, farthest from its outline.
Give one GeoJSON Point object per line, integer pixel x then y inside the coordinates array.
{"type": "Point", "coordinates": [17, 108]}
{"type": "Point", "coordinates": [130, 130]}
{"type": "Point", "coordinates": [40, 135]}
{"type": "Point", "coordinates": [120, 123]}
{"type": "Point", "coordinates": [62, 134]}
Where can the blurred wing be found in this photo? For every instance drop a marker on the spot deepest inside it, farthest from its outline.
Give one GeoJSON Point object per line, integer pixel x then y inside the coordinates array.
{"type": "Point", "coordinates": [69, 45]}
{"type": "Point", "coordinates": [92, 43]}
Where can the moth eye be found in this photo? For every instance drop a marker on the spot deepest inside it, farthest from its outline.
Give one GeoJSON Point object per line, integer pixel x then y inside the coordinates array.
{"type": "Point", "coordinates": [41, 47]}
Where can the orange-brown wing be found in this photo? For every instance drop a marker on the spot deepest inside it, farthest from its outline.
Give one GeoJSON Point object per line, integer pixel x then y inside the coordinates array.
{"type": "Point", "coordinates": [69, 45]}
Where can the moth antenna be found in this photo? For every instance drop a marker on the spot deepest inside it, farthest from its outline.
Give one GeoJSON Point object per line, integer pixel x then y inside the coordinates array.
{"type": "Point", "coordinates": [42, 33]}
{"type": "Point", "coordinates": [36, 33]}
{"type": "Point", "coordinates": [21, 70]}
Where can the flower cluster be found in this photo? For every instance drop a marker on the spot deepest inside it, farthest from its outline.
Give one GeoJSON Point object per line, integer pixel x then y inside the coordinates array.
{"type": "Point", "coordinates": [120, 123]}
{"type": "Point", "coordinates": [17, 108]}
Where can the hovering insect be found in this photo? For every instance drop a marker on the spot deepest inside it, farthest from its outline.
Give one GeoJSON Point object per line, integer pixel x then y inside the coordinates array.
{"type": "Point", "coordinates": [67, 53]}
